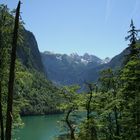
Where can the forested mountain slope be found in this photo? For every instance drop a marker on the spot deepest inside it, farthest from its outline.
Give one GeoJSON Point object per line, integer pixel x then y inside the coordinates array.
{"type": "Point", "coordinates": [115, 63]}
{"type": "Point", "coordinates": [37, 91]}
{"type": "Point", "coordinates": [28, 51]}
{"type": "Point", "coordinates": [65, 69]}
{"type": "Point", "coordinates": [33, 92]}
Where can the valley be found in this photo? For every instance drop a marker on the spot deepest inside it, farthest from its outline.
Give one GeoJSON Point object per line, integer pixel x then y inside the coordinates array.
{"type": "Point", "coordinates": [68, 96]}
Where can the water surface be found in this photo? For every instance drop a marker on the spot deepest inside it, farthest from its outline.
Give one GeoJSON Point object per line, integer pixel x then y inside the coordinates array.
{"type": "Point", "coordinates": [39, 127]}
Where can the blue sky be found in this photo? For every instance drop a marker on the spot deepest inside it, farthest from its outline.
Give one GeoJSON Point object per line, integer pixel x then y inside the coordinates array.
{"type": "Point", "coordinates": [65, 26]}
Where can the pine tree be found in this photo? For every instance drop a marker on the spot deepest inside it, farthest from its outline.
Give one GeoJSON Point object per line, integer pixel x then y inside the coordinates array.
{"type": "Point", "coordinates": [132, 37]}
{"type": "Point", "coordinates": [131, 89]}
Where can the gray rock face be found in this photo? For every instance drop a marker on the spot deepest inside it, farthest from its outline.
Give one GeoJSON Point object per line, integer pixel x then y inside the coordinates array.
{"type": "Point", "coordinates": [69, 69]}
{"type": "Point", "coordinates": [28, 52]}
{"type": "Point", "coordinates": [74, 69]}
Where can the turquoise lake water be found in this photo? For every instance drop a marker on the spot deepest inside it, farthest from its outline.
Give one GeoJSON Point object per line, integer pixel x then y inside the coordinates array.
{"type": "Point", "coordinates": [43, 127]}
{"type": "Point", "coordinates": [39, 128]}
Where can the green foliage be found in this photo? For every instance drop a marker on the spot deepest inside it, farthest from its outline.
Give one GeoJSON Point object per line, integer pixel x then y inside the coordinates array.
{"type": "Point", "coordinates": [40, 95]}
{"type": "Point", "coordinates": [112, 107]}
{"type": "Point", "coordinates": [33, 93]}
{"type": "Point", "coordinates": [131, 96]}
{"type": "Point", "coordinates": [88, 130]}
{"type": "Point", "coordinates": [70, 104]}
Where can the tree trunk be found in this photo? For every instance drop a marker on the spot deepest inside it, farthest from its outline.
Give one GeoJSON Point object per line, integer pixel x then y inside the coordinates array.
{"type": "Point", "coordinates": [72, 135]}
{"type": "Point", "coordinates": [12, 76]}
{"type": "Point", "coordinates": [93, 132]}
{"type": "Point", "coordinates": [88, 107]}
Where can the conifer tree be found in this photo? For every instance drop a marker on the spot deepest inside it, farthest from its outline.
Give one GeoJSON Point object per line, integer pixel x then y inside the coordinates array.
{"type": "Point", "coordinates": [132, 37]}
{"type": "Point", "coordinates": [131, 89]}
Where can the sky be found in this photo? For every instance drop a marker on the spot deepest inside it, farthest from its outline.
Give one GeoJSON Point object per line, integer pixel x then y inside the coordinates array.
{"type": "Point", "coordinates": [97, 27]}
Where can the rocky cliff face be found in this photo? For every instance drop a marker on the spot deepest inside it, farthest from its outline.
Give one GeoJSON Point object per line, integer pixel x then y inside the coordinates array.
{"type": "Point", "coordinates": [28, 52]}
{"type": "Point", "coordinates": [69, 69]}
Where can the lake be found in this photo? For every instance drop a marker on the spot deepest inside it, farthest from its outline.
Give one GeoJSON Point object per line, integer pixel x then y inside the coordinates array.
{"type": "Point", "coordinates": [45, 127]}
{"type": "Point", "coordinates": [39, 127]}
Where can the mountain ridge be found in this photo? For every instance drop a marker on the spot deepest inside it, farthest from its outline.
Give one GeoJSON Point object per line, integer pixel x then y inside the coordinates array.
{"type": "Point", "coordinates": [85, 58]}
{"type": "Point", "coordinates": [63, 69]}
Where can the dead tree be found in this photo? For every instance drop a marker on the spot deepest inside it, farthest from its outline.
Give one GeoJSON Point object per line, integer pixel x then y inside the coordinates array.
{"type": "Point", "coordinates": [12, 76]}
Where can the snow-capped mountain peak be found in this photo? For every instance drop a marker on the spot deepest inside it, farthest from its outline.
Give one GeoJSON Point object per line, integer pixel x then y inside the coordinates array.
{"type": "Point", "coordinates": [106, 60]}
{"type": "Point", "coordinates": [78, 59]}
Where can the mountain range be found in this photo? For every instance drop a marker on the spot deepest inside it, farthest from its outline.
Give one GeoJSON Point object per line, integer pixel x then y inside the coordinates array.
{"type": "Point", "coordinates": [63, 69]}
